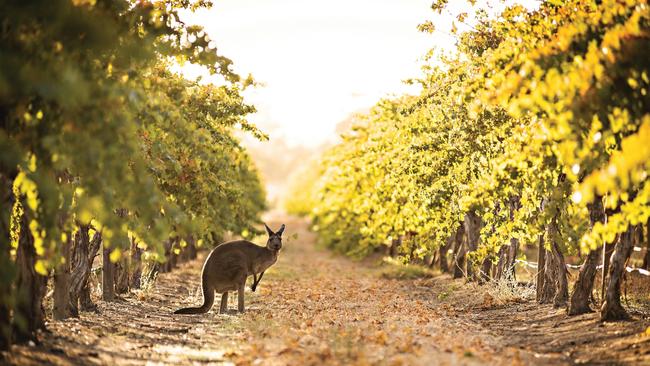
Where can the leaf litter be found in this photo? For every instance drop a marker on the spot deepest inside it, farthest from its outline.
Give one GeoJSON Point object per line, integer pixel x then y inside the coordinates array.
{"type": "Point", "coordinates": [314, 307]}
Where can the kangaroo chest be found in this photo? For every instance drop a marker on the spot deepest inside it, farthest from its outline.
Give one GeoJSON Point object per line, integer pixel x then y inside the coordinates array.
{"type": "Point", "coordinates": [264, 264]}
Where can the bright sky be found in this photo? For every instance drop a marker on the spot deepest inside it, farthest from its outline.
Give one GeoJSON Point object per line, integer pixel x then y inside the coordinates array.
{"type": "Point", "coordinates": [319, 61]}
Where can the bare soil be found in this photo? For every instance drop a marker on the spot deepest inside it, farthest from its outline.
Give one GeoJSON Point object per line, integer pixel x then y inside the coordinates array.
{"type": "Point", "coordinates": [314, 307]}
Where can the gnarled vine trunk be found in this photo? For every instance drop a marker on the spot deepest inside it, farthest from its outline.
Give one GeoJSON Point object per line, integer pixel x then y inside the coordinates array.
{"type": "Point", "coordinates": [444, 266]}
{"type": "Point", "coordinates": [7, 269]}
{"type": "Point", "coordinates": [431, 258]}
{"type": "Point", "coordinates": [394, 247]}
{"type": "Point", "coordinates": [486, 269]}
{"type": "Point", "coordinates": [472, 226]}
{"type": "Point", "coordinates": [546, 293]}
{"type": "Point", "coordinates": [120, 269]}
{"type": "Point", "coordinates": [84, 296]}
{"type": "Point", "coordinates": [191, 247]}
{"type": "Point", "coordinates": [555, 287]}
{"type": "Point", "coordinates": [83, 255]}
{"type": "Point", "coordinates": [108, 287]}
{"type": "Point", "coordinates": [508, 254]}
{"type": "Point", "coordinates": [612, 308]}
{"type": "Point", "coordinates": [507, 260]}
{"type": "Point", "coordinates": [581, 295]}
{"type": "Point", "coordinates": [61, 308]}
{"type": "Point", "coordinates": [562, 284]}
{"type": "Point", "coordinates": [29, 315]}
{"type": "Point", "coordinates": [607, 251]}
{"type": "Point", "coordinates": [503, 258]}
{"type": "Point", "coordinates": [136, 264]}
{"type": "Point", "coordinates": [183, 257]}
{"type": "Point", "coordinates": [459, 253]}
{"type": "Point", "coordinates": [540, 279]}
{"type": "Point", "coordinates": [85, 301]}
{"type": "Point", "coordinates": [122, 275]}
{"type": "Point", "coordinates": [170, 257]}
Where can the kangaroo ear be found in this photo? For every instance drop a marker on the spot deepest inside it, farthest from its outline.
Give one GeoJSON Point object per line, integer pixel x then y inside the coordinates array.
{"type": "Point", "coordinates": [281, 230]}
{"type": "Point", "coordinates": [269, 231]}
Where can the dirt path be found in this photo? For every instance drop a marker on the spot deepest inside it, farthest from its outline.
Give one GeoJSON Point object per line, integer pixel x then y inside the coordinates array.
{"type": "Point", "coordinates": [312, 307]}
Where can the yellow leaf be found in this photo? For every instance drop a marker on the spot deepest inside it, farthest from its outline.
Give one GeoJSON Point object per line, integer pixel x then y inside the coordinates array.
{"type": "Point", "coordinates": [115, 255]}
{"type": "Point", "coordinates": [40, 268]}
{"type": "Point", "coordinates": [32, 163]}
{"type": "Point", "coordinates": [84, 2]}
{"type": "Point", "coordinates": [85, 216]}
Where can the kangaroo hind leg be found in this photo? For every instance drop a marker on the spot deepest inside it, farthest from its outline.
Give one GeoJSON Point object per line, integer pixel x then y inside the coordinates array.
{"type": "Point", "coordinates": [224, 303]}
{"type": "Point", "coordinates": [240, 296]}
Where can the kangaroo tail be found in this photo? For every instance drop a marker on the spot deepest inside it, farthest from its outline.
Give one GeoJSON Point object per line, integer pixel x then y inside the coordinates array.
{"type": "Point", "coordinates": [208, 300]}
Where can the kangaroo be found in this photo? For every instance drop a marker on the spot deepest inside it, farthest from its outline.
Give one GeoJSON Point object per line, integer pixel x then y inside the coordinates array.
{"type": "Point", "coordinates": [228, 266]}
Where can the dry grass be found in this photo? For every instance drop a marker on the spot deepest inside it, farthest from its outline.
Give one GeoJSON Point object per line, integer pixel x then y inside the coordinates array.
{"type": "Point", "coordinates": [392, 269]}
{"type": "Point", "coordinates": [508, 291]}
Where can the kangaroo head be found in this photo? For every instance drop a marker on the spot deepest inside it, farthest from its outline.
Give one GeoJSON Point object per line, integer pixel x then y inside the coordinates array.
{"type": "Point", "coordinates": [275, 239]}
